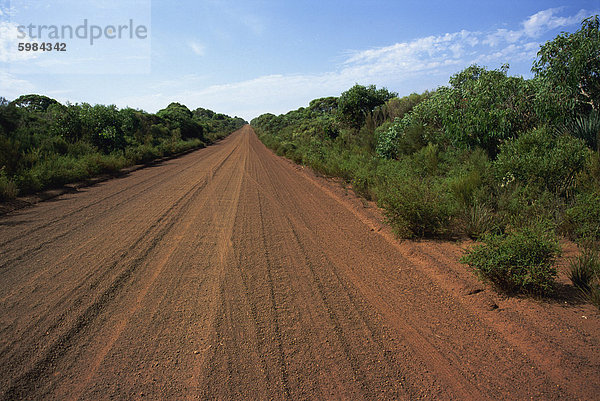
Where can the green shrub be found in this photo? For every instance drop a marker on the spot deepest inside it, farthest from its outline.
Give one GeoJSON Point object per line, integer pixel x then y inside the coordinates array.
{"type": "Point", "coordinates": [464, 186]}
{"type": "Point", "coordinates": [387, 138]}
{"type": "Point", "coordinates": [418, 207]}
{"type": "Point", "coordinates": [585, 275]}
{"type": "Point", "coordinates": [81, 148]}
{"type": "Point", "coordinates": [364, 180]}
{"type": "Point", "coordinates": [28, 181]}
{"type": "Point", "coordinates": [585, 127]}
{"type": "Point", "coordinates": [528, 205]}
{"type": "Point", "coordinates": [8, 189]}
{"type": "Point", "coordinates": [518, 262]}
{"type": "Point", "coordinates": [584, 269]}
{"type": "Point", "coordinates": [478, 220]}
{"type": "Point", "coordinates": [539, 158]}
{"type": "Point", "coordinates": [583, 217]}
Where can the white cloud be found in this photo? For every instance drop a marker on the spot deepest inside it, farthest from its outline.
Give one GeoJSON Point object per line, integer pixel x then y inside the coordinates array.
{"type": "Point", "coordinates": [546, 20]}
{"type": "Point", "coordinates": [534, 26]}
{"type": "Point", "coordinates": [13, 87]}
{"type": "Point", "coordinates": [9, 41]}
{"type": "Point", "coordinates": [502, 35]}
{"type": "Point", "coordinates": [400, 66]}
{"type": "Point", "coordinates": [197, 48]}
{"type": "Point", "coordinates": [414, 65]}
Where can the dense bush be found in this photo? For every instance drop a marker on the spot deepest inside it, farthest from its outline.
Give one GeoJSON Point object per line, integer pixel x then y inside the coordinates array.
{"type": "Point", "coordinates": [567, 68]}
{"type": "Point", "coordinates": [583, 217]}
{"type": "Point", "coordinates": [481, 108]}
{"type": "Point", "coordinates": [539, 158]}
{"type": "Point", "coordinates": [418, 207]}
{"type": "Point", "coordinates": [518, 262]}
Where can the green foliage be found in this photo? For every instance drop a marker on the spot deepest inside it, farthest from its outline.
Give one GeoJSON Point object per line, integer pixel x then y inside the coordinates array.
{"type": "Point", "coordinates": [387, 140]}
{"type": "Point", "coordinates": [38, 103]}
{"type": "Point", "coordinates": [494, 107]}
{"type": "Point", "coordinates": [401, 138]}
{"type": "Point", "coordinates": [468, 182]}
{"type": "Point", "coordinates": [215, 125]}
{"type": "Point", "coordinates": [8, 189]}
{"type": "Point", "coordinates": [538, 158]}
{"type": "Point", "coordinates": [568, 69]}
{"type": "Point", "coordinates": [399, 107]}
{"type": "Point", "coordinates": [518, 262]}
{"type": "Point", "coordinates": [417, 207]}
{"type": "Point", "coordinates": [478, 220]}
{"type": "Point", "coordinates": [180, 117]}
{"type": "Point", "coordinates": [394, 109]}
{"type": "Point", "coordinates": [481, 108]}
{"type": "Point", "coordinates": [583, 217]}
{"type": "Point", "coordinates": [584, 269]}
{"type": "Point", "coordinates": [67, 123]}
{"type": "Point", "coordinates": [354, 104]}
{"type": "Point", "coordinates": [584, 273]}
{"type": "Point", "coordinates": [585, 127]}
{"type": "Point", "coordinates": [324, 105]}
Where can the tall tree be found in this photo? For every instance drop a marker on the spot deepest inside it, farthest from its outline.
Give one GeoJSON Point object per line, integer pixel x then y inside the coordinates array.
{"type": "Point", "coordinates": [569, 69]}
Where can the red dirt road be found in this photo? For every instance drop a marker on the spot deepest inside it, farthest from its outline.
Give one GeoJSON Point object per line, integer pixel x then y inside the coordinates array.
{"type": "Point", "coordinates": [230, 273]}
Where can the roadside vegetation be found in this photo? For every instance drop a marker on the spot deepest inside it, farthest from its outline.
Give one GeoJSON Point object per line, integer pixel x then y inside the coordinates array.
{"type": "Point", "coordinates": [45, 144]}
{"type": "Point", "coordinates": [513, 163]}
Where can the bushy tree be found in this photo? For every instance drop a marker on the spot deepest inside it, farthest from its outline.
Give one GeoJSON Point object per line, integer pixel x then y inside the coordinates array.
{"type": "Point", "coordinates": [491, 107]}
{"type": "Point", "coordinates": [356, 102]}
{"type": "Point", "coordinates": [324, 105]}
{"type": "Point", "coordinates": [34, 102]}
{"type": "Point", "coordinates": [481, 108]}
{"type": "Point", "coordinates": [568, 69]}
{"type": "Point", "coordinates": [67, 122]}
{"type": "Point", "coordinates": [101, 125]}
{"type": "Point", "coordinates": [180, 117]}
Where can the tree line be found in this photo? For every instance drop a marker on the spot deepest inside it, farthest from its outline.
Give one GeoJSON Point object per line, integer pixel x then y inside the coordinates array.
{"type": "Point", "coordinates": [44, 143]}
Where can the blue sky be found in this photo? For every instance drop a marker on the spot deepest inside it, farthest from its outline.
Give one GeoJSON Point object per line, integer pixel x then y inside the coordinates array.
{"type": "Point", "coordinates": [246, 58]}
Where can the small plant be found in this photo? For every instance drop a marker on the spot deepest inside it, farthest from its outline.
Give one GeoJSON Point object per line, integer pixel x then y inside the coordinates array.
{"type": "Point", "coordinates": [518, 262]}
{"type": "Point", "coordinates": [586, 127]}
{"type": "Point", "coordinates": [585, 275]}
{"type": "Point", "coordinates": [584, 268]}
{"type": "Point", "coordinates": [479, 220]}
{"type": "Point", "coordinates": [8, 188]}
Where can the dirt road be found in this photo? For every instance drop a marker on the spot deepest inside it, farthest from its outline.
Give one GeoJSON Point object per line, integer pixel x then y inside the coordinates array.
{"type": "Point", "coordinates": [230, 273]}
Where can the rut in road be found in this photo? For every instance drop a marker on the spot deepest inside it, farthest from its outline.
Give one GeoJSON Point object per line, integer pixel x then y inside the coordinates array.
{"type": "Point", "coordinates": [229, 273]}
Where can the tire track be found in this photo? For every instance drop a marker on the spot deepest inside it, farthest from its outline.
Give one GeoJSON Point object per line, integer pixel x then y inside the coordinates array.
{"type": "Point", "coordinates": [55, 351]}
{"type": "Point", "coordinates": [97, 216]}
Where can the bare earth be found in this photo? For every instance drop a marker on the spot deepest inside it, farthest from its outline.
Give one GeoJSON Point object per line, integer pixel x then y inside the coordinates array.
{"type": "Point", "coordinates": [230, 273]}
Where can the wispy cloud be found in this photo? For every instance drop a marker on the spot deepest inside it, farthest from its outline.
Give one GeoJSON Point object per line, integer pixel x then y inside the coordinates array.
{"type": "Point", "coordinates": [534, 26]}
{"type": "Point", "coordinates": [13, 87]}
{"type": "Point", "coordinates": [9, 41]}
{"type": "Point", "coordinates": [546, 20]}
{"type": "Point", "coordinates": [198, 48]}
{"type": "Point", "coordinates": [402, 66]}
